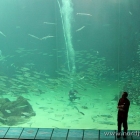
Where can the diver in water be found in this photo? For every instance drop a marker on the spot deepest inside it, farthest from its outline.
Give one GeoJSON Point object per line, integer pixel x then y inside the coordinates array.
{"type": "Point", "coordinates": [73, 95]}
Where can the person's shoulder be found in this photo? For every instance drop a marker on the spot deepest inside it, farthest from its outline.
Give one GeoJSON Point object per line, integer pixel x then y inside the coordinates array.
{"type": "Point", "coordinates": [120, 98]}
{"type": "Point", "coordinates": [128, 100]}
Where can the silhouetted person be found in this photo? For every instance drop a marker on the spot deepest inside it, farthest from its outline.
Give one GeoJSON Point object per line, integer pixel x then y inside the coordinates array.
{"type": "Point", "coordinates": [123, 108]}
{"type": "Point", "coordinates": [73, 95]}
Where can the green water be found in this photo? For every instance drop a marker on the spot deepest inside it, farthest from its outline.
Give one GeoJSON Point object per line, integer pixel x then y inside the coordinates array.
{"type": "Point", "coordinates": [49, 47]}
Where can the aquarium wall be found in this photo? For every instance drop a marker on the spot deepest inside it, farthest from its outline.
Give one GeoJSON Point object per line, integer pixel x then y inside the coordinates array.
{"type": "Point", "coordinates": [66, 63]}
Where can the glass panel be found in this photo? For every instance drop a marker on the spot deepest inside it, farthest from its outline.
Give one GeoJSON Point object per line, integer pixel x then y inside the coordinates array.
{"type": "Point", "coordinates": [65, 63]}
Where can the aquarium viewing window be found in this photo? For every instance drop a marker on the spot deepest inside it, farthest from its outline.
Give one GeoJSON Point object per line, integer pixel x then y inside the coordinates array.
{"type": "Point", "coordinates": [66, 63]}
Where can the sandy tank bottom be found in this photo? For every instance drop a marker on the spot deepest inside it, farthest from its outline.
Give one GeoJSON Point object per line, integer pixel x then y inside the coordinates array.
{"type": "Point", "coordinates": [96, 109]}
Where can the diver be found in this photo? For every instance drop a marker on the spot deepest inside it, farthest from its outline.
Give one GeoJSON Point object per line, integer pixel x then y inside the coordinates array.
{"type": "Point", "coordinates": [73, 95]}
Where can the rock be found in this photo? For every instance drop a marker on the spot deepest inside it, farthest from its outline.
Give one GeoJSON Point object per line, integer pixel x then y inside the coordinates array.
{"type": "Point", "coordinates": [13, 111]}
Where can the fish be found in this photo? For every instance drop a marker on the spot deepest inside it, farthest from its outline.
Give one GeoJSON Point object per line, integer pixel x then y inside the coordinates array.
{"type": "Point", "coordinates": [22, 106]}
{"type": "Point", "coordinates": [46, 37]}
{"type": "Point", "coordinates": [2, 34]}
{"type": "Point", "coordinates": [84, 14]}
{"type": "Point", "coordinates": [53, 119]}
{"type": "Point", "coordinates": [25, 114]}
{"type": "Point", "coordinates": [78, 110]}
{"type": "Point", "coordinates": [80, 29]}
{"type": "Point", "coordinates": [130, 13]}
{"type": "Point", "coordinates": [8, 111]}
{"type": "Point", "coordinates": [34, 36]}
{"type": "Point", "coordinates": [17, 27]}
{"type": "Point", "coordinates": [49, 23]}
{"type": "Point", "coordinates": [81, 113]}
{"type": "Point", "coordinates": [82, 78]}
{"type": "Point", "coordinates": [0, 53]}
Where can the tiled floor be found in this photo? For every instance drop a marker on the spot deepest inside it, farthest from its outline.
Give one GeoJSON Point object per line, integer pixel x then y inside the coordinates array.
{"type": "Point", "coordinates": [60, 134]}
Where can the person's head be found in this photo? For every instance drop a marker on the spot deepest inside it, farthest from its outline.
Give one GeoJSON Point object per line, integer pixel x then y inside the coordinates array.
{"type": "Point", "coordinates": [124, 95]}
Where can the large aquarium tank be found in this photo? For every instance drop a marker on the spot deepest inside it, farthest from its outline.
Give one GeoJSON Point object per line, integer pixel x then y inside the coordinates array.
{"type": "Point", "coordinates": [66, 63]}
